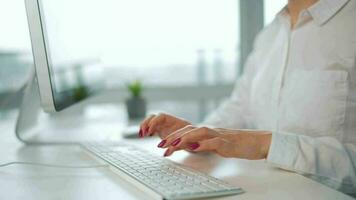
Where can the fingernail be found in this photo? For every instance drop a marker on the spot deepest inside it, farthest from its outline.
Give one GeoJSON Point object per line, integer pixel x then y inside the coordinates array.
{"type": "Point", "coordinates": [166, 153]}
{"type": "Point", "coordinates": [146, 131]}
{"type": "Point", "coordinates": [176, 142]}
{"type": "Point", "coordinates": [194, 146]}
{"type": "Point", "coordinates": [140, 133]}
{"type": "Point", "coordinates": [162, 143]}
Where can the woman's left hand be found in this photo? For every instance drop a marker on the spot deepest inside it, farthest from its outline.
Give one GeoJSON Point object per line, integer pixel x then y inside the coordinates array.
{"type": "Point", "coordinates": [248, 144]}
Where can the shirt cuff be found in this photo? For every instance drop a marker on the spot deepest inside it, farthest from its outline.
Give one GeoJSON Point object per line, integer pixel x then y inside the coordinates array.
{"type": "Point", "coordinates": [283, 150]}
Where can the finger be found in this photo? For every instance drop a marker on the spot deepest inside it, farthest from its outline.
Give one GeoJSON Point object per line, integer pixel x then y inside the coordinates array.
{"type": "Point", "coordinates": [197, 135]}
{"type": "Point", "coordinates": [166, 141]}
{"type": "Point", "coordinates": [174, 138]}
{"type": "Point", "coordinates": [156, 121]}
{"type": "Point", "coordinates": [144, 125]}
{"type": "Point", "coordinates": [171, 150]}
{"type": "Point", "coordinates": [217, 145]}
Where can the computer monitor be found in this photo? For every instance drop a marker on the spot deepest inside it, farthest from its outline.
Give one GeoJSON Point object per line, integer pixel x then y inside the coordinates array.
{"type": "Point", "coordinates": [66, 72]}
{"type": "Point", "coordinates": [61, 53]}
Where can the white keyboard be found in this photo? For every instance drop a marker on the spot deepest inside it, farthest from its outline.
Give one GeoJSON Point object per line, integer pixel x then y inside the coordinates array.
{"type": "Point", "coordinates": [161, 177]}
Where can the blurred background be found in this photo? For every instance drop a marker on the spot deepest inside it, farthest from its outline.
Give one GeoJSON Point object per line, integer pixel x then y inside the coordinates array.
{"type": "Point", "coordinates": [186, 53]}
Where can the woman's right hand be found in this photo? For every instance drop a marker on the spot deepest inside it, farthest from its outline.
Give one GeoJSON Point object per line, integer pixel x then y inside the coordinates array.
{"type": "Point", "coordinates": [161, 124]}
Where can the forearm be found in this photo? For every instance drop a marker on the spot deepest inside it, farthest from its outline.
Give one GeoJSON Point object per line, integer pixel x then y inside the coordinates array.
{"type": "Point", "coordinates": [322, 158]}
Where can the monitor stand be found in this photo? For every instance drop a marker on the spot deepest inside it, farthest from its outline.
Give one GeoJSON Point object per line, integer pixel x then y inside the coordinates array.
{"type": "Point", "coordinates": [36, 127]}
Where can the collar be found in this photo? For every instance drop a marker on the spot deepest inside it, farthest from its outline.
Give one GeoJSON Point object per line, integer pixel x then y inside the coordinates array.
{"type": "Point", "coordinates": [283, 15]}
{"type": "Point", "coordinates": [321, 12]}
{"type": "Point", "coordinates": [324, 10]}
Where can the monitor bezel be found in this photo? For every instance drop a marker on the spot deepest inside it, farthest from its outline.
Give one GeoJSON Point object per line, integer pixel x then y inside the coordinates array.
{"type": "Point", "coordinates": [51, 101]}
{"type": "Point", "coordinates": [40, 54]}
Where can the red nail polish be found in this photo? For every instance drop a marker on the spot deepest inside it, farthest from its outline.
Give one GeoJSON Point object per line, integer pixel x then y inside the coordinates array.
{"type": "Point", "coordinates": [166, 153]}
{"type": "Point", "coordinates": [140, 133]}
{"type": "Point", "coordinates": [194, 146]}
{"type": "Point", "coordinates": [162, 143]}
{"type": "Point", "coordinates": [176, 142]}
{"type": "Point", "coordinates": [146, 131]}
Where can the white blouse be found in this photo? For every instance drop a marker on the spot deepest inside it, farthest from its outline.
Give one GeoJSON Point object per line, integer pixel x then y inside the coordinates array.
{"type": "Point", "coordinates": [301, 85]}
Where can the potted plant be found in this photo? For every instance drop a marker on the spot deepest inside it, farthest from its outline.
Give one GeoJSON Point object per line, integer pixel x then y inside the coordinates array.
{"type": "Point", "coordinates": [136, 104]}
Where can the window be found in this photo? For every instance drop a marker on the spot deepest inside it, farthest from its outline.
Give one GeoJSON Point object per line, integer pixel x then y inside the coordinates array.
{"type": "Point", "coordinates": [165, 43]}
{"type": "Point", "coordinates": [171, 42]}
{"type": "Point", "coordinates": [271, 8]}
{"type": "Point", "coordinates": [196, 40]}
{"type": "Point", "coordinates": [13, 22]}
{"type": "Point", "coordinates": [15, 50]}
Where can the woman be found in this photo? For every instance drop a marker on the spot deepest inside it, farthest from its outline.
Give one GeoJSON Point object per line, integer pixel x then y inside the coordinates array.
{"type": "Point", "coordinates": [295, 105]}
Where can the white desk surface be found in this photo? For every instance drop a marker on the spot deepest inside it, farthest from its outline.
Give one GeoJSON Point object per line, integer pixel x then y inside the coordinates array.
{"type": "Point", "coordinates": [257, 178]}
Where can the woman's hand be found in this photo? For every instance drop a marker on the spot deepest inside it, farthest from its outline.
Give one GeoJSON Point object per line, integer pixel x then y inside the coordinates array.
{"type": "Point", "coordinates": [161, 124]}
{"type": "Point", "coordinates": [248, 144]}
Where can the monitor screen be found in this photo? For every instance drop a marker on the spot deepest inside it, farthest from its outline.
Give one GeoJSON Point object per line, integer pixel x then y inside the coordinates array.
{"type": "Point", "coordinates": [70, 31]}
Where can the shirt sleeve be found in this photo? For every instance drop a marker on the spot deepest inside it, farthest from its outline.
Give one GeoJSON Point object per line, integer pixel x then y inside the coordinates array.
{"type": "Point", "coordinates": [230, 113]}
{"type": "Point", "coordinates": [233, 113]}
{"type": "Point", "coordinates": [324, 159]}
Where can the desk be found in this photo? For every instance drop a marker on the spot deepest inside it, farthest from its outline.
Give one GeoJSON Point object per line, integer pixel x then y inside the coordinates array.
{"type": "Point", "coordinates": [257, 178]}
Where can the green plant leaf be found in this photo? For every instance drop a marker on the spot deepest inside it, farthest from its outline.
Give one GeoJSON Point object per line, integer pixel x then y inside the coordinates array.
{"type": "Point", "coordinates": [135, 88]}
